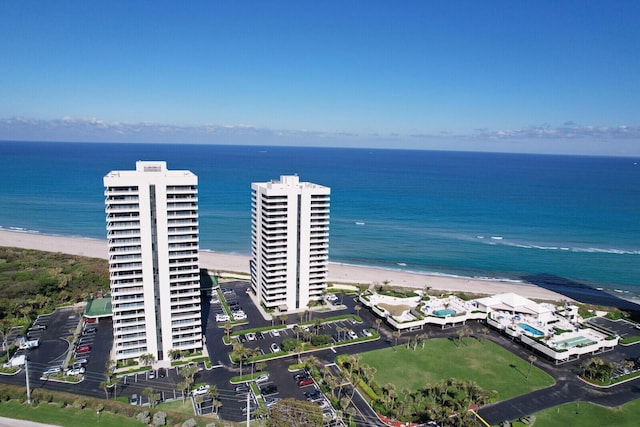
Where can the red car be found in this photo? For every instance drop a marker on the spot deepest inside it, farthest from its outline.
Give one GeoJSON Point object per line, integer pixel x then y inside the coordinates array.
{"type": "Point", "coordinates": [83, 349]}
{"type": "Point", "coordinates": [307, 381]}
{"type": "Point", "coordinates": [90, 320]}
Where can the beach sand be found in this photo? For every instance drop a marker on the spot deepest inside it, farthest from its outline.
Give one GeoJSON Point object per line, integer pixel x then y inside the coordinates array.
{"type": "Point", "coordinates": [338, 273]}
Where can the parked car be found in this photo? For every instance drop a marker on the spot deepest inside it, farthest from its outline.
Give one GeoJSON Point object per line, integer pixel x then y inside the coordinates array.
{"type": "Point", "coordinates": [239, 316]}
{"type": "Point", "coordinates": [305, 382]}
{"type": "Point", "coordinates": [275, 347]}
{"type": "Point", "coordinates": [90, 330]}
{"type": "Point", "coordinates": [36, 327]}
{"type": "Point", "coordinates": [82, 361]}
{"type": "Point", "coordinates": [90, 320]}
{"type": "Point", "coordinates": [151, 375]}
{"type": "Point", "coordinates": [352, 334]}
{"type": "Point", "coordinates": [242, 338]}
{"type": "Point", "coordinates": [162, 372]}
{"type": "Point", "coordinates": [220, 317]}
{"type": "Point", "coordinates": [133, 399]}
{"type": "Point", "coordinates": [313, 394]}
{"type": "Point", "coordinates": [52, 370]}
{"type": "Point", "coordinates": [260, 335]}
{"type": "Point", "coordinates": [241, 388]}
{"type": "Point", "coordinates": [251, 336]}
{"type": "Point", "coordinates": [75, 371]}
{"type": "Point", "coordinates": [268, 389]}
{"type": "Point", "coordinates": [366, 333]}
{"type": "Point", "coordinates": [301, 375]}
{"type": "Point", "coordinates": [262, 378]}
{"type": "Point", "coordinates": [203, 389]}
{"type": "Point", "coordinates": [83, 349]}
{"type": "Point", "coordinates": [275, 333]}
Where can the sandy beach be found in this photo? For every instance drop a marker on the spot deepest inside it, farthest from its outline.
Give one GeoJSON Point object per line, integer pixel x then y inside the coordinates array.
{"type": "Point", "coordinates": [338, 273]}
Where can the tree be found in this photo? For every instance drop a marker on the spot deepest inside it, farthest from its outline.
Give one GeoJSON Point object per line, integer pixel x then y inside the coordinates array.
{"type": "Point", "coordinates": [357, 309]}
{"type": "Point", "coordinates": [146, 359]}
{"type": "Point", "coordinates": [228, 327]}
{"type": "Point", "coordinates": [283, 318]}
{"type": "Point", "coordinates": [378, 322]}
{"type": "Point", "coordinates": [174, 354]}
{"type": "Point", "coordinates": [151, 395]}
{"type": "Point", "coordinates": [294, 413]}
{"type": "Point", "coordinates": [396, 336]}
{"type": "Point", "coordinates": [188, 373]}
{"type": "Point", "coordinates": [317, 325]}
{"type": "Point", "coordinates": [240, 352]}
{"type": "Point", "coordinates": [460, 333]}
{"type": "Point", "coordinates": [532, 360]}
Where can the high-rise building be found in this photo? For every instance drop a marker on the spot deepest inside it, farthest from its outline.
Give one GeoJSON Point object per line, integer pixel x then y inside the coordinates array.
{"type": "Point", "coordinates": [152, 231]}
{"type": "Point", "coordinates": [289, 242]}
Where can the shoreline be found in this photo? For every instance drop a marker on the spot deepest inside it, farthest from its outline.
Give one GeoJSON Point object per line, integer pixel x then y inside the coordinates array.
{"type": "Point", "coordinates": [338, 272]}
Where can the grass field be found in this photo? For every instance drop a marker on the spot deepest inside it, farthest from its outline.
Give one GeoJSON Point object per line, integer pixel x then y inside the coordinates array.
{"type": "Point", "coordinates": [68, 417]}
{"type": "Point", "coordinates": [489, 365]}
{"type": "Point", "coordinates": [589, 415]}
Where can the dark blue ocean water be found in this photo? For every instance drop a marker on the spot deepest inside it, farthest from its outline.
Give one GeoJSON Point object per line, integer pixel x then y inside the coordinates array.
{"type": "Point", "coordinates": [469, 214]}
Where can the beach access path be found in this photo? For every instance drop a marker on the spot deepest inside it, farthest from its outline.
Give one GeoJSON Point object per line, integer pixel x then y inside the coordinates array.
{"type": "Point", "coordinates": [338, 273]}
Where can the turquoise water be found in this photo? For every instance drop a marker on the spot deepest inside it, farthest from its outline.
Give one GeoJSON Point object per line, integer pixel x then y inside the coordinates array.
{"type": "Point", "coordinates": [465, 214]}
{"type": "Point", "coordinates": [443, 313]}
{"type": "Point", "coordinates": [533, 331]}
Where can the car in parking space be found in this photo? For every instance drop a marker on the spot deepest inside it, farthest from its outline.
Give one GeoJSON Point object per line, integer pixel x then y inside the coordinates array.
{"type": "Point", "coordinates": [241, 388]}
{"type": "Point", "coordinates": [251, 336]}
{"type": "Point", "coordinates": [305, 382]}
{"type": "Point", "coordinates": [239, 315]}
{"type": "Point", "coordinates": [275, 347]}
{"type": "Point", "coordinates": [37, 327]}
{"type": "Point", "coordinates": [313, 394]}
{"type": "Point", "coordinates": [151, 375]}
{"type": "Point", "coordinates": [83, 349]}
{"type": "Point", "coordinates": [352, 334]}
{"type": "Point", "coordinates": [275, 333]}
{"type": "Point", "coordinates": [262, 378]}
{"type": "Point", "coordinates": [90, 330]}
{"type": "Point", "coordinates": [203, 389]}
{"type": "Point", "coordinates": [133, 399]}
{"type": "Point", "coordinates": [270, 401]}
{"type": "Point", "coordinates": [90, 320]}
{"type": "Point", "coordinates": [268, 389]}
{"type": "Point", "coordinates": [366, 333]}
{"type": "Point", "coordinates": [260, 335]}
{"type": "Point", "coordinates": [75, 371]}
{"type": "Point", "coordinates": [52, 370]}
{"type": "Point", "coordinates": [220, 317]}
{"type": "Point", "coordinates": [242, 338]}
{"type": "Point", "coordinates": [162, 372]}
{"type": "Point", "coordinates": [81, 361]}
{"type": "Point", "coordinates": [301, 375]}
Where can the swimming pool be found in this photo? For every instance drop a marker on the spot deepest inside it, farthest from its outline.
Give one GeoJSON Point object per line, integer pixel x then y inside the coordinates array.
{"type": "Point", "coordinates": [443, 313]}
{"type": "Point", "coordinates": [533, 331]}
{"type": "Point", "coordinates": [574, 342]}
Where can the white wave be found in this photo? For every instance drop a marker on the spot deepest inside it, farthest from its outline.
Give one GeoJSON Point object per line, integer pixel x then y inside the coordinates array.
{"type": "Point", "coordinates": [496, 237]}
{"type": "Point", "coordinates": [614, 251]}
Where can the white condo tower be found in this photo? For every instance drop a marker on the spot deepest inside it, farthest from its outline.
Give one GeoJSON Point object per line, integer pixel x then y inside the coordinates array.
{"type": "Point", "coordinates": [152, 229]}
{"type": "Point", "coordinates": [289, 242]}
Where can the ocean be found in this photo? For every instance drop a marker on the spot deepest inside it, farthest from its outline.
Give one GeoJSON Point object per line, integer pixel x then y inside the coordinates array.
{"type": "Point", "coordinates": [489, 215]}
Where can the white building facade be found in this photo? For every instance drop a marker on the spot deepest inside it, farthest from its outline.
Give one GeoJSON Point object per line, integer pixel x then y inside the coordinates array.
{"type": "Point", "coordinates": [289, 242]}
{"type": "Point", "coordinates": [152, 232]}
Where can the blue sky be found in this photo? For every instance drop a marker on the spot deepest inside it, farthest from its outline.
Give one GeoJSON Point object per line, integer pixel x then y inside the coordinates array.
{"type": "Point", "coordinates": [536, 76]}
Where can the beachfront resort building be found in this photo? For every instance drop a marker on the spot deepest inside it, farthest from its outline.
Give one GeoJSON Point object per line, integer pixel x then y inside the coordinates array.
{"type": "Point", "coordinates": [289, 242]}
{"type": "Point", "coordinates": [152, 232]}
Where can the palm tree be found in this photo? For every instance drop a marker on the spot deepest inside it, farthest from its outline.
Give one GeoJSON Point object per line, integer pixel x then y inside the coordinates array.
{"type": "Point", "coordinates": [240, 352]}
{"type": "Point", "coordinates": [532, 360]}
{"type": "Point", "coordinates": [146, 359]}
{"type": "Point", "coordinates": [317, 325]}
{"type": "Point", "coordinates": [378, 322]}
{"type": "Point", "coordinates": [357, 309]}
{"type": "Point", "coordinates": [228, 327]}
{"type": "Point", "coordinates": [299, 349]}
{"type": "Point", "coordinates": [175, 354]}
{"type": "Point", "coordinates": [460, 333]}
{"type": "Point", "coordinates": [396, 336]}
{"type": "Point", "coordinates": [310, 362]}
{"type": "Point", "coordinates": [283, 318]}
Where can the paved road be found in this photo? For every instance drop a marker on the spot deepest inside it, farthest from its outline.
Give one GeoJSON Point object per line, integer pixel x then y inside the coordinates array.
{"type": "Point", "coordinates": [11, 422]}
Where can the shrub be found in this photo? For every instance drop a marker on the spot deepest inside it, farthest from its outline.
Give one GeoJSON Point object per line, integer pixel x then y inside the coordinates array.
{"type": "Point", "coordinates": [159, 418]}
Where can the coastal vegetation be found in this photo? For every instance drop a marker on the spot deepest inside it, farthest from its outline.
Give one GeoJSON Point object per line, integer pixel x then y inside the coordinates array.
{"type": "Point", "coordinates": [35, 282]}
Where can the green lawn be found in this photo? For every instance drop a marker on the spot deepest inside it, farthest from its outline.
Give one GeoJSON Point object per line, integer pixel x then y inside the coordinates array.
{"type": "Point", "coordinates": [589, 415]}
{"type": "Point", "coordinates": [68, 417]}
{"type": "Point", "coordinates": [489, 365]}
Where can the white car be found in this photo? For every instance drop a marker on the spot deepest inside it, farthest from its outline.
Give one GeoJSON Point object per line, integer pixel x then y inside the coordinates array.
{"type": "Point", "coordinates": [366, 333]}
{"type": "Point", "coordinates": [331, 297]}
{"type": "Point", "coordinates": [275, 347]}
{"type": "Point", "coordinates": [203, 389]}
{"type": "Point", "coordinates": [262, 378]}
{"type": "Point", "coordinates": [275, 333]}
{"type": "Point", "coordinates": [75, 371]}
{"type": "Point", "coordinates": [352, 334]}
{"type": "Point", "coordinates": [52, 370]}
{"type": "Point", "coordinates": [239, 315]}
{"type": "Point", "coordinates": [222, 317]}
